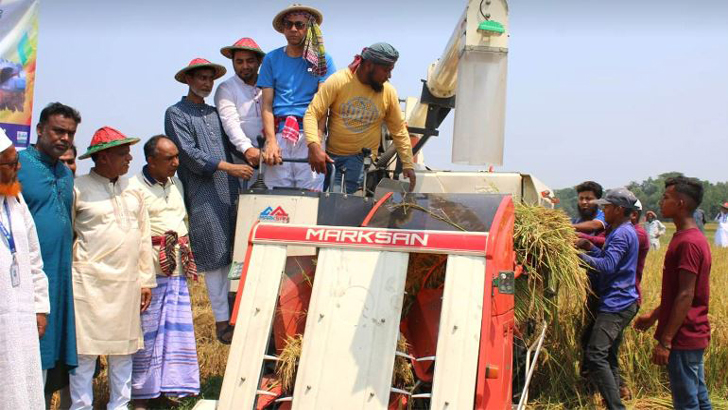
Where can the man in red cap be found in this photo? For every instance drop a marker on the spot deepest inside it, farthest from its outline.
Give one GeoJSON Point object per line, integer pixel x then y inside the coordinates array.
{"type": "Point", "coordinates": [238, 100]}
{"type": "Point", "coordinates": [210, 181]}
{"type": "Point", "coordinates": [112, 269]}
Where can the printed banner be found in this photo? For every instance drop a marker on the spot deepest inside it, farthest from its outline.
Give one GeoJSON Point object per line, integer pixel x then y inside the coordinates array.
{"type": "Point", "coordinates": [18, 45]}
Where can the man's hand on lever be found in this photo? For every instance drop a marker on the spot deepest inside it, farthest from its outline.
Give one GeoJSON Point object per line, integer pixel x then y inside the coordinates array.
{"type": "Point", "coordinates": [272, 152]}
{"type": "Point", "coordinates": [318, 158]}
{"type": "Point", "coordinates": [252, 155]}
{"type": "Point", "coordinates": [410, 174]}
{"type": "Point", "coordinates": [236, 170]}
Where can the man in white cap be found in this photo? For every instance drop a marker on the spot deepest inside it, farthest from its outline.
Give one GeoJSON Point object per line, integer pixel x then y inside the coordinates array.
{"type": "Point", "coordinates": [24, 300]}
{"type": "Point", "coordinates": [238, 101]}
{"type": "Point", "coordinates": [655, 229]}
{"type": "Point", "coordinates": [210, 181]}
{"type": "Point", "coordinates": [113, 272]}
{"type": "Point", "coordinates": [289, 77]}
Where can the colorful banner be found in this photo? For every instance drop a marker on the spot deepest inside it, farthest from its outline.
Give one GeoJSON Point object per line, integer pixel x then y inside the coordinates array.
{"type": "Point", "coordinates": [18, 45]}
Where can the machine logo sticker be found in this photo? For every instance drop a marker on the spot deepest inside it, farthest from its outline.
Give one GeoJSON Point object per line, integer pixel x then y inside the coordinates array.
{"type": "Point", "coordinates": [367, 237]}
{"type": "Point", "coordinates": [274, 215]}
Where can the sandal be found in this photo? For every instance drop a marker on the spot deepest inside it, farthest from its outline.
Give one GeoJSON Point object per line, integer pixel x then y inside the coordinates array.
{"type": "Point", "coordinates": [225, 335]}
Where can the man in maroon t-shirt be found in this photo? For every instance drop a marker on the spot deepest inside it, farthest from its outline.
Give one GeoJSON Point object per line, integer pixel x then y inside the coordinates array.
{"type": "Point", "coordinates": [683, 331]}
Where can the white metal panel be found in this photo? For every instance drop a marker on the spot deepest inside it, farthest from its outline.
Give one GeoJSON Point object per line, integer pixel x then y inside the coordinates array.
{"type": "Point", "coordinates": [458, 338]}
{"type": "Point", "coordinates": [294, 209]}
{"type": "Point", "coordinates": [351, 330]}
{"type": "Point", "coordinates": [206, 405]}
{"type": "Point", "coordinates": [252, 328]}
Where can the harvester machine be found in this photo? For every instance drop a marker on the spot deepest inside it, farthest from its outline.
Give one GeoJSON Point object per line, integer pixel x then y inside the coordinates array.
{"type": "Point", "coordinates": [387, 299]}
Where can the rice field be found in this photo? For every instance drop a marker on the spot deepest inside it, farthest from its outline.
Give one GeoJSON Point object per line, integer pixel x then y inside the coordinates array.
{"type": "Point", "coordinates": [563, 390]}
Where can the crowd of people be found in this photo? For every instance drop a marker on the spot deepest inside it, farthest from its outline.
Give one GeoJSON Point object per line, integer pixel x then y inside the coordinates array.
{"type": "Point", "coordinates": [99, 262]}
{"type": "Point", "coordinates": [616, 247]}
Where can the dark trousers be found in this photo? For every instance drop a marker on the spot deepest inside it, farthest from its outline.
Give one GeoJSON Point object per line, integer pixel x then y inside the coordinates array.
{"type": "Point", "coordinates": [602, 352]}
{"type": "Point", "coordinates": [687, 380]}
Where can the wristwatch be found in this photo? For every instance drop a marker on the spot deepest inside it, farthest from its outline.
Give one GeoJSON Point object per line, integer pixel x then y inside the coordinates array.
{"type": "Point", "coordinates": [664, 346]}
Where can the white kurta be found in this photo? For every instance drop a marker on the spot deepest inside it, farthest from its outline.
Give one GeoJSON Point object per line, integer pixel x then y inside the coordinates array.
{"type": "Point", "coordinates": [239, 107]}
{"type": "Point", "coordinates": [112, 261]}
{"type": "Point", "coordinates": [721, 233]}
{"type": "Point", "coordinates": [166, 208]}
{"type": "Point", "coordinates": [22, 384]}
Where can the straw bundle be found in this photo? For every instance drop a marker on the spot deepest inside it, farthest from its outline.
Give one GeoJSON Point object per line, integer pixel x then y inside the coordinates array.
{"type": "Point", "coordinates": [555, 280]}
{"type": "Point", "coordinates": [288, 363]}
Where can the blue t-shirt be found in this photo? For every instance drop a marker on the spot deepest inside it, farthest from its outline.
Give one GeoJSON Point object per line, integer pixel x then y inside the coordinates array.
{"type": "Point", "coordinates": [293, 84]}
{"type": "Point", "coordinates": [616, 266]}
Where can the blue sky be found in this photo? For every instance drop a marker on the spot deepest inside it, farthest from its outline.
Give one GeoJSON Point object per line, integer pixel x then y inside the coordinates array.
{"type": "Point", "coordinates": [611, 91]}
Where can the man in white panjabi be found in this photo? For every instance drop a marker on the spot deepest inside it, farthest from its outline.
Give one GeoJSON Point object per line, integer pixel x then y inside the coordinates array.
{"type": "Point", "coordinates": [721, 232]}
{"type": "Point", "coordinates": [113, 272]}
{"type": "Point", "coordinates": [238, 101]}
{"type": "Point", "coordinates": [23, 292]}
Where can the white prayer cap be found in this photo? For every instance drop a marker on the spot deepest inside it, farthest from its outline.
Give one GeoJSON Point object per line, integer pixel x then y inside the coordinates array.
{"type": "Point", "coordinates": [5, 142]}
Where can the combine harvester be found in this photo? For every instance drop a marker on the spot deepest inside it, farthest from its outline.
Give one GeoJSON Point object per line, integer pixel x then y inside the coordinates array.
{"type": "Point", "coordinates": [345, 273]}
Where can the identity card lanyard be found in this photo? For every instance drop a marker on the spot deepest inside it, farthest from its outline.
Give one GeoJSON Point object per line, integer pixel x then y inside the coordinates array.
{"type": "Point", "coordinates": [8, 234]}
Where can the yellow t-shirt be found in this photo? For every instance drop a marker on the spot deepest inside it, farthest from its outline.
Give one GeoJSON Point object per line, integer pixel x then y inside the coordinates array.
{"type": "Point", "coordinates": [356, 116]}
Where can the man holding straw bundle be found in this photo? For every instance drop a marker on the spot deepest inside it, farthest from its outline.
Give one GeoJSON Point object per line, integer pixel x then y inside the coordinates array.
{"type": "Point", "coordinates": [616, 266]}
{"type": "Point", "coordinates": [683, 330]}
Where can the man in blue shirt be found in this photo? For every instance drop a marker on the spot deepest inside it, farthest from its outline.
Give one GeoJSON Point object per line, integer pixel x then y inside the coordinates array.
{"type": "Point", "coordinates": [48, 190]}
{"type": "Point", "coordinates": [591, 218]}
{"type": "Point", "coordinates": [289, 77]}
{"type": "Point", "coordinates": [616, 266]}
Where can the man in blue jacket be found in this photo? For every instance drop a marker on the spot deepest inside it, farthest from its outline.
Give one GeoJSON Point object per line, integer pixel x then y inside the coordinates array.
{"type": "Point", "coordinates": [616, 266]}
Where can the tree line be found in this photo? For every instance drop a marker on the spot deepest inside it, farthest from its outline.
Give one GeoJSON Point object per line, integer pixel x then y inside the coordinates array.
{"type": "Point", "coordinates": [650, 192]}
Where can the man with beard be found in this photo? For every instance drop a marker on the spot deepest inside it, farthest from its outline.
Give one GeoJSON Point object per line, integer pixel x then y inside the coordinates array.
{"type": "Point", "coordinates": [238, 100]}
{"type": "Point", "coordinates": [210, 182]}
{"type": "Point", "coordinates": [23, 291]}
{"type": "Point", "coordinates": [168, 363]}
{"type": "Point", "coordinates": [112, 269]}
{"type": "Point", "coordinates": [359, 99]}
{"type": "Point", "coordinates": [289, 77]}
{"type": "Point", "coordinates": [48, 191]}
{"type": "Point", "coordinates": [591, 218]}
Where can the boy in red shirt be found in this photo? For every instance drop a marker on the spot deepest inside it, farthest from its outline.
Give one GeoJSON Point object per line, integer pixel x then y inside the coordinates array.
{"type": "Point", "coordinates": [683, 331]}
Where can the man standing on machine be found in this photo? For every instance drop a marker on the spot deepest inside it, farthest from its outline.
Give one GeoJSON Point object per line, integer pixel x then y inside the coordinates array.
{"type": "Point", "coordinates": [359, 99]}
{"type": "Point", "coordinates": [289, 77]}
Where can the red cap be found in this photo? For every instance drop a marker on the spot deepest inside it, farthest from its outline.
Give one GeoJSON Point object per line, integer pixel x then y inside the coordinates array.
{"type": "Point", "coordinates": [105, 138]}
{"type": "Point", "coordinates": [245, 43]}
{"type": "Point", "coordinates": [200, 63]}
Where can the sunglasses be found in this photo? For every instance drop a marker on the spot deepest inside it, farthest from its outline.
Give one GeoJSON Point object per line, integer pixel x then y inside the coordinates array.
{"type": "Point", "coordinates": [13, 163]}
{"type": "Point", "coordinates": [287, 24]}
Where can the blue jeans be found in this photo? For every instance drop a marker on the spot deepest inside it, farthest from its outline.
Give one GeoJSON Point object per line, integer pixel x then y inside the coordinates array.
{"type": "Point", "coordinates": [687, 380]}
{"type": "Point", "coordinates": [354, 165]}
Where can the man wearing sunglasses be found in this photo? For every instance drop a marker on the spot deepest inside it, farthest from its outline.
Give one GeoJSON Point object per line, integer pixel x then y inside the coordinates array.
{"type": "Point", "coordinates": [289, 77]}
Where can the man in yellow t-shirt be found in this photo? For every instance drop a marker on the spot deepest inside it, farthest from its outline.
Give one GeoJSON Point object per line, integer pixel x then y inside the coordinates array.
{"type": "Point", "coordinates": [358, 99]}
